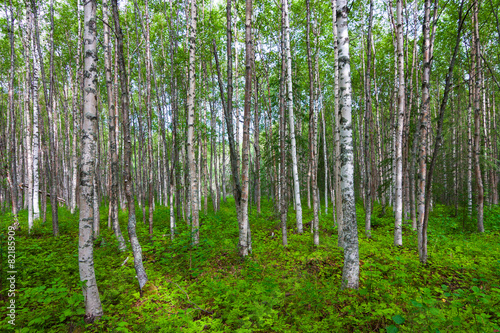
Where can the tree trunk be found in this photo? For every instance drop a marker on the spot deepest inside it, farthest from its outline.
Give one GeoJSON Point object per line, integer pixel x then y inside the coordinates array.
{"type": "Point", "coordinates": [282, 130]}
{"type": "Point", "coordinates": [424, 125]}
{"type": "Point", "coordinates": [245, 243]}
{"type": "Point", "coordinates": [93, 307]}
{"type": "Point", "coordinates": [193, 179]}
{"type": "Point", "coordinates": [325, 152]}
{"type": "Point", "coordinates": [36, 122]}
{"type": "Point", "coordinates": [27, 116]}
{"type": "Point", "coordinates": [12, 123]}
{"type": "Point", "coordinates": [398, 224]}
{"type": "Point", "coordinates": [127, 163]}
{"type": "Point", "coordinates": [336, 130]}
{"type": "Point", "coordinates": [350, 272]}
{"type": "Point", "coordinates": [295, 172]}
{"type": "Point", "coordinates": [367, 118]}
{"type": "Point", "coordinates": [257, 146]}
{"type": "Point", "coordinates": [476, 75]}
{"type": "Point", "coordinates": [113, 199]}
{"type": "Point", "coordinates": [312, 131]}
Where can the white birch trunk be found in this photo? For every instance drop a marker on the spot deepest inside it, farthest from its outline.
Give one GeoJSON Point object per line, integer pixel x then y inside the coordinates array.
{"type": "Point", "coordinates": [93, 308]}
{"type": "Point", "coordinates": [350, 272]}
{"type": "Point", "coordinates": [424, 129]}
{"type": "Point", "coordinates": [193, 179]}
{"type": "Point", "coordinates": [36, 138]}
{"type": "Point", "coordinates": [27, 114]}
{"type": "Point", "coordinates": [398, 224]}
{"type": "Point", "coordinates": [336, 129]}
{"type": "Point", "coordinates": [295, 172]}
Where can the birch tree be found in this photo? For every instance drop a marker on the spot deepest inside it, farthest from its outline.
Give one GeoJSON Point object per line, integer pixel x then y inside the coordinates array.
{"type": "Point", "coordinates": [312, 132]}
{"type": "Point", "coordinates": [12, 130]}
{"type": "Point", "coordinates": [36, 137]}
{"type": "Point", "coordinates": [350, 272]}
{"type": "Point", "coordinates": [93, 307]}
{"type": "Point", "coordinates": [336, 129]}
{"type": "Point", "coordinates": [295, 173]}
{"type": "Point", "coordinates": [398, 224]}
{"type": "Point", "coordinates": [424, 125]}
{"type": "Point", "coordinates": [193, 179]}
{"type": "Point", "coordinates": [368, 117]}
{"type": "Point", "coordinates": [113, 199]}
{"type": "Point", "coordinates": [245, 243]}
{"type": "Point", "coordinates": [477, 75]}
{"type": "Point", "coordinates": [127, 161]}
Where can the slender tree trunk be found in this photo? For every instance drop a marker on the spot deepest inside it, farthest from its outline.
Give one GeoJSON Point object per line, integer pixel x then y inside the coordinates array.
{"type": "Point", "coordinates": [93, 307]}
{"type": "Point", "coordinates": [477, 74]}
{"type": "Point", "coordinates": [36, 122]}
{"type": "Point", "coordinates": [424, 125]}
{"type": "Point", "coordinates": [12, 153]}
{"type": "Point", "coordinates": [190, 122]}
{"type": "Point", "coordinates": [312, 130]}
{"type": "Point", "coordinates": [336, 130]}
{"type": "Point", "coordinates": [367, 118]}
{"type": "Point", "coordinates": [150, 122]}
{"type": "Point", "coordinates": [325, 152]}
{"type": "Point", "coordinates": [27, 117]}
{"type": "Point", "coordinates": [257, 146]}
{"type": "Point", "coordinates": [398, 224]}
{"type": "Point", "coordinates": [237, 188]}
{"type": "Point", "coordinates": [113, 199]}
{"type": "Point", "coordinates": [295, 172]}
{"type": "Point", "coordinates": [469, 149]}
{"type": "Point", "coordinates": [350, 272]}
{"type": "Point", "coordinates": [282, 130]}
{"type": "Point", "coordinates": [127, 163]}
{"type": "Point", "coordinates": [245, 243]}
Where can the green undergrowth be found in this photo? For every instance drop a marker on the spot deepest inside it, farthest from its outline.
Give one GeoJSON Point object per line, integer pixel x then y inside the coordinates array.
{"type": "Point", "coordinates": [210, 288]}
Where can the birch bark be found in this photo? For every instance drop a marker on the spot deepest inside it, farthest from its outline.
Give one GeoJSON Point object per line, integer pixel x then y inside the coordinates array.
{"type": "Point", "coordinates": [93, 308]}
{"type": "Point", "coordinates": [36, 138]}
{"type": "Point", "coordinates": [350, 272]}
{"type": "Point", "coordinates": [193, 179]}
{"type": "Point", "coordinates": [424, 125]}
{"type": "Point", "coordinates": [398, 224]}
{"type": "Point", "coordinates": [336, 129]}
{"type": "Point", "coordinates": [127, 163]}
{"type": "Point", "coordinates": [245, 243]}
{"type": "Point", "coordinates": [295, 172]}
{"type": "Point", "coordinates": [477, 74]}
{"type": "Point", "coordinates": [113, 200]}
{"type": "Point", "coordinates": [368, 117]}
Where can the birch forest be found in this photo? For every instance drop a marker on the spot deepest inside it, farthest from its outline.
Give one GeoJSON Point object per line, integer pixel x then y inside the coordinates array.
{"type": "Point", "coordinates": [249, 166]}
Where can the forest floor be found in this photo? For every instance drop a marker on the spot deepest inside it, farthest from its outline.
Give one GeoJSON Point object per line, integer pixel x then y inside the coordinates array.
{"type": "Point", "coordinates": [297, 289]}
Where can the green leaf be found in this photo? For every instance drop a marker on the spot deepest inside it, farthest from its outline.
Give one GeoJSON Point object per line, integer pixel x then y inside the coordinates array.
{"type": "Point", "coordinates": [398, 319]}
{"type": "Point", "coordinates": [415, 303]}
{"type": "Point", "coordinates": [392, 329]}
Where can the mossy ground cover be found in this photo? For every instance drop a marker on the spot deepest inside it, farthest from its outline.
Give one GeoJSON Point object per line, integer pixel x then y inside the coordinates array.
{"type": "Point", "coordinates": [297, 289]}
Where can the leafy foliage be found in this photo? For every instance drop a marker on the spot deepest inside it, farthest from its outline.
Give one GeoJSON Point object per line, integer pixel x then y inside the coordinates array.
{"type": "Point", "coordinates": [297, 289]}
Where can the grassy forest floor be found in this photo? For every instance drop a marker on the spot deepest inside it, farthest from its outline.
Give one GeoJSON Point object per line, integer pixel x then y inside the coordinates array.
{"type": "Point", "coordinates": [210, 289]}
